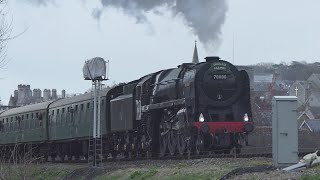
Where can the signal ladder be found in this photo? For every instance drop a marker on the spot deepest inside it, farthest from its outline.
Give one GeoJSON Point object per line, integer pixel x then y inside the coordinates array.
{"type": "Point", "coordinates": [95, 149]}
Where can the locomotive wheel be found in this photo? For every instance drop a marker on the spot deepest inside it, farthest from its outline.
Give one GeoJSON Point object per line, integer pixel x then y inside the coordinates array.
{"type": "Point", "coordinates": [162, 145]}
{"type": "Point", "coordinates": [172, 142]}
{"type": "Point", "coordinates": [181, 143]}
{"type": "Point", "coordinates": [199, 145]}
{"type": "Point", "coordinates": [238, 149]}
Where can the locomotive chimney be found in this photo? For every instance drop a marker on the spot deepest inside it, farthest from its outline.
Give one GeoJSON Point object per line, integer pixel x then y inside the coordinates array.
{"type": "Point", "coordinates": [212, 58]}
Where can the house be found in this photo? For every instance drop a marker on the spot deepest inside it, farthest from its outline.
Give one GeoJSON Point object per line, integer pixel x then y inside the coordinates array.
{"type": "Point", "coordinates": [305, 115]}
{"type": "Point", "coordinates": [314, 80]}
{"type": "Point", "coordinates": [312, 125]}
{"type": "Point", "coordinates": [301, 90]}
{"type": "Point", "coordinates": [262, 85]}
{"type": "Point", "coordinates": [314, 99]}
{"type": "Point", "coordinates": [315, 112]}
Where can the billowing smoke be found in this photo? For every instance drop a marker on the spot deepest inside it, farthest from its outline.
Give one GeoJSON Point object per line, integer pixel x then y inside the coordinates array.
{"type": "Point", "coordinates": [204, 17]}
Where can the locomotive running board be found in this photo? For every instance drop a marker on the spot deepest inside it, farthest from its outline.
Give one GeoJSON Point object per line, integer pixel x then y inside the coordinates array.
{"type": "Point", "coordinates": [150, 107]}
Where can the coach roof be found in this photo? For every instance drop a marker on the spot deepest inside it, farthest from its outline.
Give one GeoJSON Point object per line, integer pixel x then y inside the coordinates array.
{"type": "Point", "coordinates": [76, 99]}
{"type": "Point", "coordinates": [27, 108]}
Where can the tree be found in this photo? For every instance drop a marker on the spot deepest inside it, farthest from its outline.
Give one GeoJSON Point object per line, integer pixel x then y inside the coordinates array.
{"type": "Point", "coordinates": [5, 33]}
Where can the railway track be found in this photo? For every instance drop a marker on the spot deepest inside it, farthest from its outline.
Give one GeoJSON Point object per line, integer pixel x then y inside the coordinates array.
{"type": "Point", "coordinates": [121, 157]}
{"type": "Point", "coordinates": [185, 157]}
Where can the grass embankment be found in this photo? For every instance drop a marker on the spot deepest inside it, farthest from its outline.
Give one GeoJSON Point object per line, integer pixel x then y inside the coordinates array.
{"type": "Point", "coordinates": [176, 170]}
{"type": "Point", "coordinates": [183, 170]}
{"type": "Point", "coordinates": [33, 171]}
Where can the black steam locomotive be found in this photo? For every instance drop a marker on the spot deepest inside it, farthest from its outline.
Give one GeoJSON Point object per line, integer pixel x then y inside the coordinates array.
{"type": "Point", "coordinates": [193, 108]}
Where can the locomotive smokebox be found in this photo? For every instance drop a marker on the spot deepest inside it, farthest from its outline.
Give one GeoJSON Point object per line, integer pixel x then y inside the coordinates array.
{"type": "Point", "coordinates": [212, 58]}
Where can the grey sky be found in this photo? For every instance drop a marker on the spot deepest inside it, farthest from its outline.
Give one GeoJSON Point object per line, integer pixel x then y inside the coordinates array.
{"type": "Point", "coordinates": [61, 36]}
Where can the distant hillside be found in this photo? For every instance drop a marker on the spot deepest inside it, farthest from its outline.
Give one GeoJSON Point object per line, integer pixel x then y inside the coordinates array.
{"type": "Point", "coordinates": [293, 71]}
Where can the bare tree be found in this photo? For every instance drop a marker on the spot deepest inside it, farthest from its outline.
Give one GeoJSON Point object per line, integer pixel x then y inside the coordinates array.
{"type": "Point", "coordinates": [5, 32]}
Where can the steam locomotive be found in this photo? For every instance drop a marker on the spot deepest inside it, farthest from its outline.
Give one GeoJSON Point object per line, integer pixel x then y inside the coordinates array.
{"type": "Point", "coordinates": [193, 108]}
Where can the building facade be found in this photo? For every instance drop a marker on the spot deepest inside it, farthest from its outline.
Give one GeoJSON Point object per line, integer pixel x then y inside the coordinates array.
{"type": "Point", "coordinates": [24, 96]}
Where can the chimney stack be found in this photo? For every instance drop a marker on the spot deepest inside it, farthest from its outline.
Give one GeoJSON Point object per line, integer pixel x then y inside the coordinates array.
{"type": "Point", "coordinates": [63, 94]}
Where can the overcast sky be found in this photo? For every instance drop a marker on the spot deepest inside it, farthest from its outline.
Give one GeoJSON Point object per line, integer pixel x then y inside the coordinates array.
{"type": "Point", "coordinates": [60, 36]}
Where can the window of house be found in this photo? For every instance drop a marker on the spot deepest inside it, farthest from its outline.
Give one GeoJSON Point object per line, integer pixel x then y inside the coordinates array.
{"type": "Point", "coordinates": [82, 106]}
{"type": "Point", "coordinates": [58, 110]}
{"type": "Point", "coordinates": [76, 108]}
{"type": "Point", "coordinates": [62, 110]}
{"type": "Point", "coordinates": [22, 117]}
{"type": "Point", "coordinates": [27, 117]}
{"type": "Point", "coordinates": [88, 105]}
{"type": "Point", "coordinates": [31, 115]}
{"type": "Point", "coordinates": [52, 112]}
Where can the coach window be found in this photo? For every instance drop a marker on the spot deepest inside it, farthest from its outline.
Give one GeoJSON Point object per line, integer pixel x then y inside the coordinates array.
{"type": "Point", "coordinates": [39, 119]}
{"type": "Point", "coordinates": [6, 122]}
{"type": "Point", "coordinates": [26, 123]}
{"type": "Point", "coordinates": [1, 125]}
{"type": "Point", "coordinates": [19, 122]}
{"type": "Point", "coordinates": [22, 120]}
{"type": "Point", "coordinates": [11, 121]}
{"type": "Point", "coordinates": [4, 125]}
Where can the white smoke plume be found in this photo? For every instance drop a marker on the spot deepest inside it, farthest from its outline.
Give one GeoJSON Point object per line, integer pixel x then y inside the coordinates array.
{"type": "Point", "coordinates": [204, 17]}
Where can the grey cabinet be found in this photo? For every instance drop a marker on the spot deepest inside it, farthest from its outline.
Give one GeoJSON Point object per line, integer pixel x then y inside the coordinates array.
{"type": "Point", "coordinates": [284, 130]}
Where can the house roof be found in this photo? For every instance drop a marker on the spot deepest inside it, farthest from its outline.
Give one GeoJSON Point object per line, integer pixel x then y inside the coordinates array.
{"type": "Point", "coordinates": [318, 75]}
{"type": "Point", "coordinates": [315, 111]}
{"type": "Point", "coordinates": [308, 113]}
{"type": "Point", "coordinates": [316, 95]}
{"type": "Point", "coordinates": [312, 124]}
{"type": "Point", "coordinates": [258, 86]}
{"type": "Point", "coordinates": [302, 83]}
{"type": "Point", "coordinates": [267, 78]}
